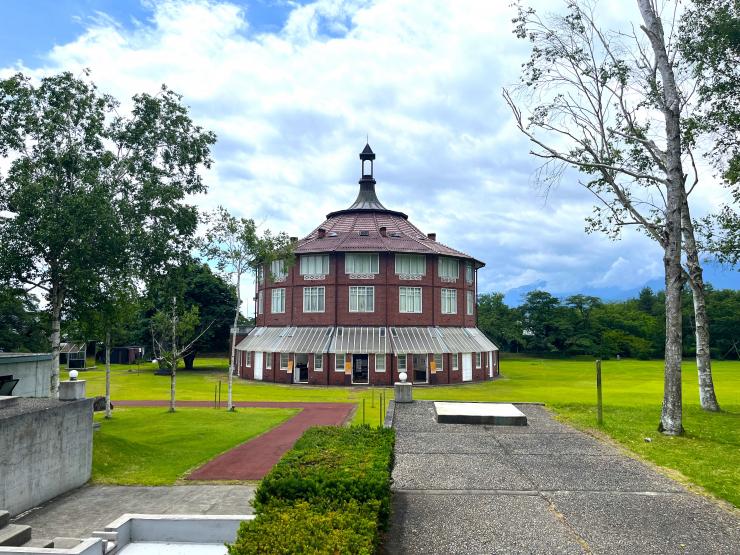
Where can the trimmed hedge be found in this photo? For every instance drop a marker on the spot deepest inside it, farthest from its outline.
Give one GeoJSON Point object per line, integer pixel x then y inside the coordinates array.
{"type": "Point", "coordinates": [331, 493]}
{"type": "Point", "coordinates": [301, 528]}
{"type": "Point", "coordinates": [329, 464]}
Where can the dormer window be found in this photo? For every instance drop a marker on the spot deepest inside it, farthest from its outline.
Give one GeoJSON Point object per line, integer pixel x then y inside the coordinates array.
{"type": "Point", "coordinates": [278, 271]}
{"type": "Point", "coordinates": [361, 263]}
{"type": "Point", "coordinates": [411, 266]}
{"type": "Point", "coordinates": [313, 265]}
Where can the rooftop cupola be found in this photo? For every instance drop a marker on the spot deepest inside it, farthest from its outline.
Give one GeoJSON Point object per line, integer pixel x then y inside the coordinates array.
{"type": "Point", "coordinates": [367, 199]}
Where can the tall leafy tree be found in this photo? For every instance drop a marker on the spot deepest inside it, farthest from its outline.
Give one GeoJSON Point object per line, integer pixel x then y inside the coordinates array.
{"type": "Point", "coordinates": [236, 247]}
{"type": "Point", "coordinates": [499, 322]}
{"type": "Point", "coordinates": [23, 327]}
{"type": "Point", "coordinates": [89, 188]}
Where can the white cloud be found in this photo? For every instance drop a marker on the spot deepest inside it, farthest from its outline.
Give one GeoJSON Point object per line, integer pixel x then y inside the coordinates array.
{"type": "Point", "coordinates": [291, 110]}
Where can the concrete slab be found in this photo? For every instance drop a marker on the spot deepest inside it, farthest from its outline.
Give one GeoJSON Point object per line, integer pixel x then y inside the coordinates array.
{"type": "Point", "coordinates": [493, 414]}
{"type": "Point", "coordinates": [592, 473]}
{"type": "Point", "coordinates": [81, 512]}
{"type": "Point", "coordinates": [432, 442]}
{"type": "Point", "coordinates": [656, 523]}
{"type": "Point", "coordinates": [553, 444]}
{"type": "Point", "coordinates": [458, 472]}
{"type": "Point", "coordinates": [423, 523]}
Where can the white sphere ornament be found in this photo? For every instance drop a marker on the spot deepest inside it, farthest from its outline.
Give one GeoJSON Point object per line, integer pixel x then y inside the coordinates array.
{"type": "Point", "coordinates": [73, 375]}
{"type": "Point", "coordinates": [403, 376]}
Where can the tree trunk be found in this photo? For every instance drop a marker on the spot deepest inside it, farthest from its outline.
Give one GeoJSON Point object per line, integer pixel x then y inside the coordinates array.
{"type": "Point", "coordinates": [174, 355]}
{"type": "Point", "coordinates": [671, 415]}
{"type": "Point", "coordinates": [56, 323]}
{"type": "Point", "coordinates": [707, 397]}
{"type": "Point", "coordinates": [107, 374]}
{"type": "Point", "coordinates": [232, 362]}
{"type": "Point", "coordinates": [189, 360]}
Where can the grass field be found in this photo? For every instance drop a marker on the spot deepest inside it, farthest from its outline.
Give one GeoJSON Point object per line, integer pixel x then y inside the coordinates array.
{"type": "Point", "coordinates": [708, 454]}
{"type": "Point", "coordinates": [153, 447]}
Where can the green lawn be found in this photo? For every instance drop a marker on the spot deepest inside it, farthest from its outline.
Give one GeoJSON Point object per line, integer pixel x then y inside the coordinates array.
{"type": "Point", "coordinates": [153, 447]}
{"type": "Point", "coordinates": [708, 455]}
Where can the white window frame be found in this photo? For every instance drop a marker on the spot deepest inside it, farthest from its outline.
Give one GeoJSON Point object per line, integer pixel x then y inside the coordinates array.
{"type": "Point", "coordinates": [379, 358]}
{"type": "Point", "coordinates": [361, 263]}
{"type": "Point", "coordinates": [317, 294]}
{"type": "Point", "coordinates": [249, 359]}
{"type": "Point", "coordinates": [318, 358]}
{"type": "Point", "coordinates": [455, 361]}
{"type": "Point", "coordinates": [402, 367]}
{"type": "Point", "coordinates": [287, 361]}
{"type": "Point", "coordinates": [279, 295]}
{"type": "Point", "coordinates": [469, 303]}
{"type": "Point", "coordinates": [469, 273]}
{"type": "Point", "coordinates": [261, 302]}
{"type": "Point", "coordinates": [445, 265]}
{"type": "Point", "coordinates": [278, 271]}
{"type": "Point", "coordinates": [268, 361]}
{"type": "Point", "coordinates": [478, 360]}
{"type": "Point", "coordinates": [448, 301]}
{"type": "Point", "coordinates": [408, 264]}
{"type": "Point", "coordinates": [361, 290]}
{"type": "Point", "coordinates": [315, 265]}
{"type": "Point", "coordinates": [403, 300]}
{"type": "Point", "coordinates": [339, 366]}
{"type": "Point", "coordinates": [439, 362]}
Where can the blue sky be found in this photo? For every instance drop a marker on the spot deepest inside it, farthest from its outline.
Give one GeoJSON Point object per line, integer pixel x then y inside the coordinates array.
{"type": "Point", "coordinates": [292, 88]}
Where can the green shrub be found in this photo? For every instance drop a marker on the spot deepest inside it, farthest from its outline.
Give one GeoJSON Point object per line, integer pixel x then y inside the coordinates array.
{"type": "Point", "coordinates": [284, 529]}
{"type": "Point", "coordinates": [330, 466]}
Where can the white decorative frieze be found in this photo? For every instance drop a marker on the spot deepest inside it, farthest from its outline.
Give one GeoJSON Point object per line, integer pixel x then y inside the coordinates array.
{"type": "Point", "coordinates": [315, 277]}
{"type": "Point", "coordinates": [448, 280]}
{"type": "Point", "coordinates": [361, 276]}
{"type": "Point", "coordinates": [416, 277]}
{"type": "Point", "coordinates": [279, 279]}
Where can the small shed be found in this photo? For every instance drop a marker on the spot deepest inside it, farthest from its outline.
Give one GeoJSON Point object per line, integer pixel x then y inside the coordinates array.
{"type": "Point", "coordinates": [73, 354]}
{"type": "Point", "coordinates": [126, 355]}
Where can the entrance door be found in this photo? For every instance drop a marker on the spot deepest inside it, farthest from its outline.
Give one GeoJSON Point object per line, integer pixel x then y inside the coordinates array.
{"type": "Point", "coordinates": [360, 372]}
{"type": "Point", "coordinates": [467, 367]}
{"type": "Point", "coordinates": [258, 358]}
{"type": "Point", "coordinates": [300, 371]}
{"type": "Point", "coordinates": [421, 371]}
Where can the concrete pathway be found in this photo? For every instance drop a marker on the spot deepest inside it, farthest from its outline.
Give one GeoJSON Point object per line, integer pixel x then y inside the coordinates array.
{"type": "Point", "coordinates": [79, 513]}
{"type": "Point", "coordinates": [253, 459]}
{"type": "Point", "coordinates": [544, 488]}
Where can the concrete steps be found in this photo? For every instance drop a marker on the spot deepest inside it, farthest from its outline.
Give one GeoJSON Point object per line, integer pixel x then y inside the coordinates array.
{"type": "Point", "coordinates": [14, 535]}
{"type": "Point", "coordinates": [40, 543]}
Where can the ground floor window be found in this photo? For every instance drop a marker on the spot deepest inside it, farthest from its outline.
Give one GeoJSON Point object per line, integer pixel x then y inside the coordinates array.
{"type": "Point", "coordinates": [318, 362]}
{"type": "Point", "coordinates": [284, 361]}
{"type": "Point", "coordinates": [339, 360]}
{"type": "Point", "coordinates": [268, 361]}
{"type": "Point", "coordinates": [249, 358]}
{"type": "Point", "coordinates": [477, 360]}
{"type": "Point", "coordinates": [454, 361]}
{"type": "Point", "coordinates": [439, 362]}
{"type": "Point", "coordinates": [401, 363]}
{"type": "Point", "coordinates": [380, 363]}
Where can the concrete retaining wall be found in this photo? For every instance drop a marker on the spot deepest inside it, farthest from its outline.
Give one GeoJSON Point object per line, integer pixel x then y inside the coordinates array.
{"type": "Point", "coordinates": [45, 450]}
{"type": "Point", "coordinates": [33, 371]}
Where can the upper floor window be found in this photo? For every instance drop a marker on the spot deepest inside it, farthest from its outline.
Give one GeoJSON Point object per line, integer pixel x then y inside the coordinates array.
{"type": "Point", "coordinates": [449, 301]}
{"type": "Point", "coordinates": [315, 265]}
{"type": "Point", "coordinates": [261, 275]}
{"type": "Point", "coordinates": [361, 263]}
{"type": "Point", "coordinates": [469, 272]}
{"type": "Point", "coordinates": [362, 299]}
{"type": "Point", "coordinates": [278, 301]}
{"type": "Point", "coordinates": [449, 267]}
{"type": "Point", "coordinates": [411, 264]}
{"type": "Point", "coordinates": [260, 302]}
{"type": "Point", "coordinates": [313, 299]}
{"type": "Point", "coordinates": [278, 271]}
{"type": "Point", "coordinates": [470, 302]}
{"type": "Point", "coordinates": [409, 299]}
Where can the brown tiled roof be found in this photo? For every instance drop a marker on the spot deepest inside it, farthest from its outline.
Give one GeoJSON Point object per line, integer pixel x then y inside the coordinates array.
{"type": "Point", "coordinates": [343, 235]}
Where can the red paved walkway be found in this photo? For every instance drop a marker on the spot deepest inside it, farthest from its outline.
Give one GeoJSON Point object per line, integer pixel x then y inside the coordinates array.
{"type": "Point", "coordinates": [253, 459]}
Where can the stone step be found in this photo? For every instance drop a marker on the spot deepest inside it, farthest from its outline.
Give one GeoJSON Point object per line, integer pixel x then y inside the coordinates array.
{"type": "Point", "coordinates": [62, 542]}
{"type": "Point", "coordinates": [42, 543]}
{"type": "Point", "coordinates": [4, 519]}
{"type": "Point", "coordinates": [14, 535]}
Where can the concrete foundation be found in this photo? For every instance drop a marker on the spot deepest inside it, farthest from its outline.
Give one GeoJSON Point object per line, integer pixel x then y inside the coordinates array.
{"type": "Point", "coordinates": [403, 392]}
{"type": "Point", "coordinates": [33, 372]}
{"type": "Point", "coordinates": [493, 414]}
{"type": "Point", "coordinates": [45, 450]}
{"type": "Point", "coordinates": [71, 390]}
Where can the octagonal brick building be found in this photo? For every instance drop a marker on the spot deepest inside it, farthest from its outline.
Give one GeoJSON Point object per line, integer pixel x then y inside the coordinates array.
{"type": "Point", "coordinates": [369, 296]}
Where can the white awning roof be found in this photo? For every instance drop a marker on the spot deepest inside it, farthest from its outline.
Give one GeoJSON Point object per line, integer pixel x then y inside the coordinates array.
{"type": "Point", "coordinates": [417, 340]}
{"type": "Point", "coordinates": [287, 340]}
{"type": "Point", "coordinates": [484, 343]}
{"type": "Point", "coordinates": [360, 340]}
